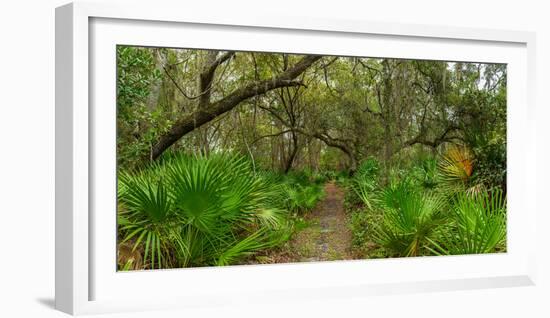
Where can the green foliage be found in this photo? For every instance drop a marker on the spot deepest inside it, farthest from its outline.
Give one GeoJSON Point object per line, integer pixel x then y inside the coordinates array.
{"type": "Point", "coordinates": [343, 178]}
{"type": "Point", "coordinates": [368, 168]}
{"type": "Point", "coordinates": [364, 188]}
{"type": "Point", "coordinates": [432, 207]}
{"type": "Point", "coordinates": [363, 184]}
{"type": "Point", "coordinates": [490, 154]}
{"type": "Point", "coordinates": [136, 73]}
{"type": "Point", "coordinates": [330, 175]}
{"type": "Point", "coordinates": [360, 225]}
{"type": "Point", "coordinates": [301, 192]}
{"type": "Point", "coordinates": [419, 213]}
{"type": "Point", "coordinates": [483, 124]}
{"type": "Point", "coordinates": [425, 173]}
{"type": "Point", "coordinates": [148, 217]}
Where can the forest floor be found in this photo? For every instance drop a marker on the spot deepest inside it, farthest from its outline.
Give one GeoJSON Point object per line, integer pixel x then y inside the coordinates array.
{"type": "Point", "coordinates": [325, 236]}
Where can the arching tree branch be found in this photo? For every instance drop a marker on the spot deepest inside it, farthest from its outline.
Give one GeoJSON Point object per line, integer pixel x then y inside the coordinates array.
{"type": "Point", "coordinates": [209, 111]}
{"type": "Point", "coordinates": [423, 140]}
{"type": "Point", "coordinates": [323, 136]}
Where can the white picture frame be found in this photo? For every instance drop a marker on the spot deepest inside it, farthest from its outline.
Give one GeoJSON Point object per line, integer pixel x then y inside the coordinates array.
{"type": "Point", "coordinates": [86, 279]}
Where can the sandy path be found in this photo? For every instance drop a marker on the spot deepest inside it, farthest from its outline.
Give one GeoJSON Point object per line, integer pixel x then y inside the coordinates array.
{"type": "Point", "coordinates": [325, 238]}
{"type": "Point", "coordinates": [334, 239]}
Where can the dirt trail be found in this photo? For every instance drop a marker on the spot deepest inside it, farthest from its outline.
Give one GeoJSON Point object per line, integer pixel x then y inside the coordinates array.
{"type": "Point", "coordinates": [326, 237]}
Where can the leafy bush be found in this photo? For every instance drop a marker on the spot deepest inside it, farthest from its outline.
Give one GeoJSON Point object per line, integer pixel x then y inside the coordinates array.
{"type": "Point", "coordinates": [491, 164]}
{"type": "Point", "coordinates": [330, 175]}
{"type": "Point", "coordinates": [369, 167]}
{"type": "Point", "coordinates": [362, 224]}
{"type": "Point", "coordinates": [148, 216]}
{"type": "Point", "coordinates": [363, 184]}
{"type": "Point", "coordinates": [432, 207]}
{"type": "Point", "coordinates": [364, 189]}
{"type": "Point", "coordinates": [343, 178]}
{"type": "Point", "coordinates": [425, 173]}
{"type": "Point", "coordinates": [487, 141]}
{"type": "Point", "coordinates": [137, 126]}
{"type": "Point", "coordinates": [301, 192]}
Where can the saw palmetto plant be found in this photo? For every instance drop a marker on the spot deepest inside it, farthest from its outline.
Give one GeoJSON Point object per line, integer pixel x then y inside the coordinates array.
{"type": "Point", "coordinates": [199, 211]}
{"type": "Point", "coordinates": [410, 219]}
{"type": "Point", "coordinates": [146, 216]}
{"type": "Point", "coordinates": [364, 188]}
{"type": "Point", "coordinates": [479, 225]}
{"type": "Point", "coordinates": [457, 165]}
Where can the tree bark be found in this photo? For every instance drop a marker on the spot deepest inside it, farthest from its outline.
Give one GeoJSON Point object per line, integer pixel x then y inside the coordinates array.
{"type": "Point", "coordinates": [293, 152]}
{"type": "Point", "coordinates": [207, 75]}
{"type": "Point", "coordinates": [153, 98]}
{"type": "Point", "coordinates": [209, 111]}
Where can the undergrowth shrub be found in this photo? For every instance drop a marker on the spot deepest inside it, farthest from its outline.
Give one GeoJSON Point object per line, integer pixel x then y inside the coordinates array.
{"type": "Point", "coordinates": [434, 207]}
{"type": "Point", "coordinates": [363, 184]}
{"type": "Point", "coordinates": [302, 191]}
{"type": "Point", "coordinates": [425, 173]}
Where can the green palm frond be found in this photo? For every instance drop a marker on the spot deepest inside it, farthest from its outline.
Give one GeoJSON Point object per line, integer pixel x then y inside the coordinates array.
{"type": "Point", "coordinates": [480, 220]}
{"type": "Point", "coordinates": [410, 218]}
{"type": "Point", "coordinates": [364, 188]}
{"type": "Point", "coordinates": [146, 215]}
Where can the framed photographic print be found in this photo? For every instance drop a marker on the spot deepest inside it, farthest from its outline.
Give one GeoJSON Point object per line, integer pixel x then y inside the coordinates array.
{"type": "Point", "coordinates": [265, 156]}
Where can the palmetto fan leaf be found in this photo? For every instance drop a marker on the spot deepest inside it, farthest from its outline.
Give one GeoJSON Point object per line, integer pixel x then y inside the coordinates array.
{"type": "Point", "coordinates": [364, 188]}
{"type": "Point", "coordinates": [457, 164]}
{"type": "Point", "coordinates": [480, 224]}
{"type": "Point", "coordinates": [426, 173]}
{"type": "Point", "coordinates": [245, 246]}
{"type": "Point", "coordinates": [146, 215]}
{"type": "Point", "coordinates": [410, 218]}
{"type": "Point", "coordinates": [207, 190]}
{"type": "Point", "coordinates": [143, 195]}
{"type": "Point", "coordinates": [196, 188]}
{"type": "Point", "coordinates": [218, 198]}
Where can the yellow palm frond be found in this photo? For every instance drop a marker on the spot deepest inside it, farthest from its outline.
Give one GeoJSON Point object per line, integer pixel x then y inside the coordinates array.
{"type": "Point", "coordinates": [457, 164]}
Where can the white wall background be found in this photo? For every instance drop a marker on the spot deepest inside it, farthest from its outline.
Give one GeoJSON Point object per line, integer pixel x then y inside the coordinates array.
{"type": "Point", "coordinates": [27, 158]}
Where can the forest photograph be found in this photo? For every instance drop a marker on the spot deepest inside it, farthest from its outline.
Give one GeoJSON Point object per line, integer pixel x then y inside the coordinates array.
{"type": "Point", "coordinates": [248, 158]}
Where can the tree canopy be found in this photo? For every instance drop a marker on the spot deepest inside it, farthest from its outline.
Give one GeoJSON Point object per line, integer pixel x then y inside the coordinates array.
{"type": "Point", "coordinates": [290, 111]}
